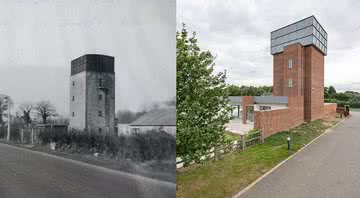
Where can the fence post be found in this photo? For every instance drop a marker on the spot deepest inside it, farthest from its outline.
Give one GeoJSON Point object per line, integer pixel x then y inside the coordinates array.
{"type": "Point", "coordinates": [262, 136]}
{"type": "Point", "coordinates": [32, 135]}
{"type": "Point", "coordinates": [243, 142]}
{"type": "Point", "coordinates": [22, 135]}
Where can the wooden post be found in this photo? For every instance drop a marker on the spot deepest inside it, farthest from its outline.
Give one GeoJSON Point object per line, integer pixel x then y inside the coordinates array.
{"type": "Point", "coordinates": [243, 142]}
{"type": "Point", "coordinates": [262, 136]}
{"type": "Point", "coordinates": [22, 135]}
{"type": "Point", "coordinates": [32, 135]}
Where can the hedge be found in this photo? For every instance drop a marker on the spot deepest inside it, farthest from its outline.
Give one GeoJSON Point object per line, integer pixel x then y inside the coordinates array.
{"type": "Point", "coordinates": [152, 145]}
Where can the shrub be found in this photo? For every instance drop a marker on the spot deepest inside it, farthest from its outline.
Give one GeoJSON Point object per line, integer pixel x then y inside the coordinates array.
{"type": "Point", "coordinates": [152, 145]}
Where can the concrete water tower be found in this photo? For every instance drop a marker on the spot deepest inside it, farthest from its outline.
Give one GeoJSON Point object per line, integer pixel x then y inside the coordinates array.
{"type": "Point", "coordinates": [92, 93]}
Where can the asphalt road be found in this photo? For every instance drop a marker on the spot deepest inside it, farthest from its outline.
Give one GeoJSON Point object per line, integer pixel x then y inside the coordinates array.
{"type": "Point", "coordinates": [329, 167]}
{"type": "Point", "coordinates": [30, 174]}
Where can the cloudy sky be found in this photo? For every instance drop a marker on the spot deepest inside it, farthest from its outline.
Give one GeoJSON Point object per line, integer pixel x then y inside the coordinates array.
{"type": "Point", "coordinates": [238, 32]}
{"type": "Point", "coordinates": [39, 38]}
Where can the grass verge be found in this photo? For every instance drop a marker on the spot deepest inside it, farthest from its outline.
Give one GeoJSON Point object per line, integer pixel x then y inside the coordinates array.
{"type": "Point", "coordinates": [228, 176]}
{"type": "Point", "coordinates": [231, 136]}
{"type": "Point", "coordinates": [357, 110]}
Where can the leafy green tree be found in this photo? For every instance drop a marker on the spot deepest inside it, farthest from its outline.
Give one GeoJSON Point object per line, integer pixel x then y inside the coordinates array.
{"type": "Point", "coordinates": [341, 96]}
{"type": "Point", "coordinates": [235, 90]}
{"type": "Point", "coordinates": [331, 91]}
{"type": "Point", "coordinates": [326, 93]}
{"type": "Point", "coordinates": [202, 101]}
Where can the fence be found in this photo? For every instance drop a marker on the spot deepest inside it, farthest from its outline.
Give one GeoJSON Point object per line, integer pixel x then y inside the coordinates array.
{"type": "Point", "coordinates": [241, 144]}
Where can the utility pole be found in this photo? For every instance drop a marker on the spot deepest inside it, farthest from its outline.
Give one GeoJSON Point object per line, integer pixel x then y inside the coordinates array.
{"type": "Point", "coordinates": [8, 133]}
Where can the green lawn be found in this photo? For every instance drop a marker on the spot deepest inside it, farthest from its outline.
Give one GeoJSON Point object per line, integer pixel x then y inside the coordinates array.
{"type": "Point", "coordinates": [231, 136]}
{"type": "Point", "coordinates": [358, 110]}
{"type": "Point", "coordinates": [228, 176]}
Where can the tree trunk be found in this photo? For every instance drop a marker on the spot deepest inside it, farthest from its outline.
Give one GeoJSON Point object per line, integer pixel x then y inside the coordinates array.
{"type": "Point", "coordinates": [44, 119]}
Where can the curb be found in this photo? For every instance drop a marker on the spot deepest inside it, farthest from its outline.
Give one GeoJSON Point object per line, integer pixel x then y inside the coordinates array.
{"type": "Point", "coordinates": [101, 168]}
{"type": "Point", "coordinates": [285, 160]}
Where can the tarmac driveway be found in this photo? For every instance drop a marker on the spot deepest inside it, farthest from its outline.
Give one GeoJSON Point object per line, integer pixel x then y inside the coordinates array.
{"type": "Point", "coordinates": [329, 167]}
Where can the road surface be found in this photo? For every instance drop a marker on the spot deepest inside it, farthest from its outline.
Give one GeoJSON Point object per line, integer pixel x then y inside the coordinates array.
{"type": "Point", "coordinates": [329, 167]}
{"type": "Point", "coordinates": [25, 173]}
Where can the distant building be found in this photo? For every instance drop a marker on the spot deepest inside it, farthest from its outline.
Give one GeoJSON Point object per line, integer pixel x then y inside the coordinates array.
{"type": "Point", "coordinates": [92, 93]}
{"type": "Point", "coordinates": [160, 119]}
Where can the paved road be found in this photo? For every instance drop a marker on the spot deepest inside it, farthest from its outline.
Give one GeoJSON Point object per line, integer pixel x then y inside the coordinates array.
{"type": "Point", "coordinates": [29, 174]}
{"type": "Point", "coordinates": [330, 167]}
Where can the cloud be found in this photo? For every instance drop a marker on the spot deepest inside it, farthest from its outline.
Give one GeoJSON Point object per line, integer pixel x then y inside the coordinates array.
{"type": "Point", "coordinates": [41, 37]}
{"type": "Point", "coordinates": [238, 32]}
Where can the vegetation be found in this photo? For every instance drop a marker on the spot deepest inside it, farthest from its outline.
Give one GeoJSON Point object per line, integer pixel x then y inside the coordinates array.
{"type": "Point", "coordinates": [201, 101]}
{"type": "Point", "coordinates": [350, 98]}
{"type": "Point", "coordinates": [152, 145]}
{"type": "Point", "coordinates": [26, 110]}
{"type": "Point", "coordinates": [231, 136]}
{"type": "Point", "coordinates": [45, 110]}
{"type": "Point", "coordinates": [235, 90]}
{"type": "Point", "coordinates": [235, 171]}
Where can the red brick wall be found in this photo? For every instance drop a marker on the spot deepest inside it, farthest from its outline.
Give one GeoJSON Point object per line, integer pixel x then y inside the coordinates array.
{"type": "Point", "coordinates": [282, 73]}
{"type": "Point", "coordinates": [314, 84]}
{"type": "Point", "coordinates": [307, 74]}
{"type": "Point", "coordinates": [246, 100]}
{"type": "Point", "coordinates": [271, 122]}
{"type": "Point", "coordinates": [329, 108]}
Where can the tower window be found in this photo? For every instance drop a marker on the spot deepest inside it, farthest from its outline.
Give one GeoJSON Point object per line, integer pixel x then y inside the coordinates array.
{"type": "Point", "coordinates": [100, 130]}
{"type": "Point", "coordinates": [73, 114]}
{"type": "Point", "coordinates": [290, 82]}
{"type": "Point", "coordinates": [100, 97]}
{"type": "Point", "coordinates": [100, 82]}
{"type": "Point", "coordinates": [290, 63]}
{"type": "Point", "coordinates": [73, 98]}
{"type": "Point", "coordinates": [100, 113]}
{"type": "Point", "coordinates": [73, 83]}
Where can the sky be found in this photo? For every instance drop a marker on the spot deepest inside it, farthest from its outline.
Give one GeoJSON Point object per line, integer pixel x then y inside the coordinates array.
{"type": "Point", "coordinates": [238, 33]}
{"type": "Point", "coordinates": [39, 38]}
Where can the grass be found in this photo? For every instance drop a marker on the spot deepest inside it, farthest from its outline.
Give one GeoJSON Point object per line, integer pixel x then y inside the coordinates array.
{"type": "Point", "coordinates": [228, 176]}
{"type": "Point", "coordinates": [355, 109]}
{"type": "Point", "coordinates": [231, 136]}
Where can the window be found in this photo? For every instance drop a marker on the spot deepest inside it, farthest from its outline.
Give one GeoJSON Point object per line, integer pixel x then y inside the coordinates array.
{"type": "Point", "coordinates": [100, 130]}
{"type": "Point", "coordinates": [264, 108]}
{"type": "Point", "coordinates": [290, 63]}
{"type": "Point", "coordinates": [73, 83]}
{"type": "Point", "coordinates": [73, 99]}
{"type": "Point", "coordinates": [100, 113]}
{"type": "Point", "coordinates": [236, 112]}
{"type": "Point", "coordinates": [290, 82]}
{"type": "Point", "coordinates": [100, 82]}
{"type": "Point", "coordinates": [100, 97]}
{"type": "Point", "coordinates": [73, 114]}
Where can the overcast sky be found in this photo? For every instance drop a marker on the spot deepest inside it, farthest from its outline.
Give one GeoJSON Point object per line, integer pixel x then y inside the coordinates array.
{"type": "Point", "coordinates": [238, 32]}
{"type": "Point", "coordinates": [39, 38]}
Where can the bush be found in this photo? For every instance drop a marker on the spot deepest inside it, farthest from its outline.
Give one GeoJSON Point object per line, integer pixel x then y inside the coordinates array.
{"type": "Point", "coordinates": [152, 145]}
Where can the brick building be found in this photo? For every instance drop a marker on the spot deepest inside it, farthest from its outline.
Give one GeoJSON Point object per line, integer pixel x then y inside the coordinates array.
{"type": "Point", "coordinates": [92, 93]}
{"type": "Point", "coordinates": [298, 53]}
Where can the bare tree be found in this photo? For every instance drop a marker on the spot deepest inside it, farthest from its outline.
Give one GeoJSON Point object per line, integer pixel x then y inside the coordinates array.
{"type": "Point", "coordinates": [26, 110]}
{"type": "Point", "coordinates": [45, 110]}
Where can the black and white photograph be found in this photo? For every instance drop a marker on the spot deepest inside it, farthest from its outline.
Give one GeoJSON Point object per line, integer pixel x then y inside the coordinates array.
{"type": "Point", "coordinates": [87, 98]}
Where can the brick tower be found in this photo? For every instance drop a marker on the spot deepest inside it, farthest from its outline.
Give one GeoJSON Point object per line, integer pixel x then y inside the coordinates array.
{"type": "Point", "coordinates": [92, 93]}
{"type": "Point", "coordinates": [298, 53]}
